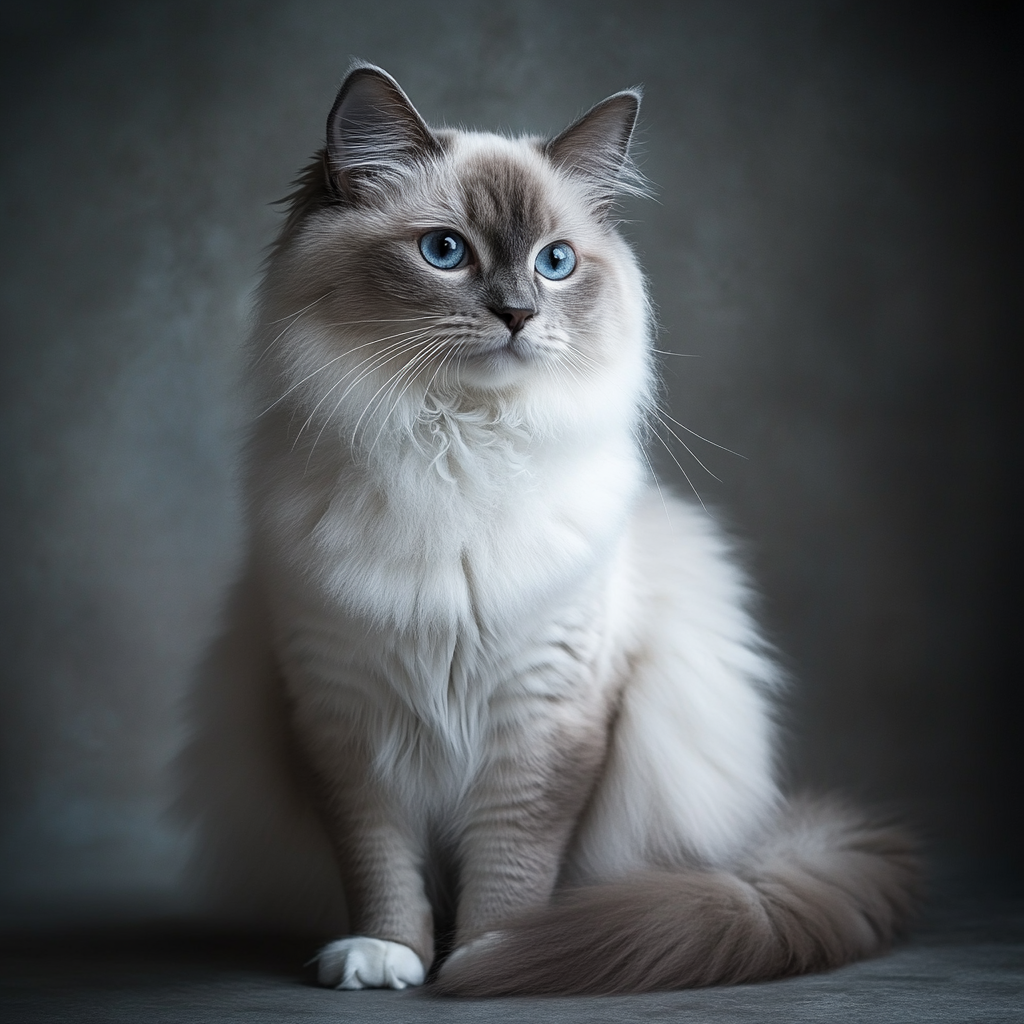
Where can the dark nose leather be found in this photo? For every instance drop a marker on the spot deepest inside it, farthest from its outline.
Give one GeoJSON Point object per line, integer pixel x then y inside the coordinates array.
{"type": "Point", "coordinates": [514, 318]}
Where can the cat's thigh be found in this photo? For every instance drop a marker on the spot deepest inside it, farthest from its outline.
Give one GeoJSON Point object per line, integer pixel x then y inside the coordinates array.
{"type": "Point", "coordinates": [521, 813]}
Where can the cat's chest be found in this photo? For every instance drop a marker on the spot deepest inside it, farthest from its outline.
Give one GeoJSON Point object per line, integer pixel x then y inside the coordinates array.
{"type": "Point", "coordinates": [428, 551]}
{"type": "Point", "coordinates": [444, 555]}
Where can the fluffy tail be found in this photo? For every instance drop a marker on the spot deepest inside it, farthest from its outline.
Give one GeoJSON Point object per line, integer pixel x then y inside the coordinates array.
{"type": "Point", "coordinates": [827, 888]}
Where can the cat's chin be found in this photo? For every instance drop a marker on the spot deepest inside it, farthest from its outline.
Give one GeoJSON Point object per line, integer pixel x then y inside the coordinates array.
{"type": "Point", "coordinates": [501, 365]}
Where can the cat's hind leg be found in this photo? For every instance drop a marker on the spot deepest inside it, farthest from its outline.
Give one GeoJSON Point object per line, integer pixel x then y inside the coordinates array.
{"type": "Point", "coordinates": [520, 814]}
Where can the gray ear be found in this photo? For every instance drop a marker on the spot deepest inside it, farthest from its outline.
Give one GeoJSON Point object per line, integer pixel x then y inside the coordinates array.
{"type": "Point", "coordinates": [373, 133]}
{"type": "Point", "coordinates": [596, 147]}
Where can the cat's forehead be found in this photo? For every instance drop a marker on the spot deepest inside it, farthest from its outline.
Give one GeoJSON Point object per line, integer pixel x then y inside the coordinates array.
{"type": "Point", "coordinates": [506, 188]}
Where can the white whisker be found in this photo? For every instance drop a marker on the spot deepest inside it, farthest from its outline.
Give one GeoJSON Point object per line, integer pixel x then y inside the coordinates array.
{"type": "Point", "coordinates": [293, 319]}
{"type": "Point", "coordinates": [686, 476]}
{"type": "Point", "coordinates": [689, 450]}
{"type": "Point", "coordinates": [412, 366]}
{"type": "Point", "coordinates": [641, 447]}
{"type": "Point", "coordinates": [331, 362]}
{"type": "Point", "coordinates": [371, 363]}
{"type": "Point", "coordinates": [385, 320]}
{"type": "Point", "coordinates": [291, 316]}
{"type": "Point", "coordinates": [414, 362]}
{"type": "Point", "coordinates": [706, 440]}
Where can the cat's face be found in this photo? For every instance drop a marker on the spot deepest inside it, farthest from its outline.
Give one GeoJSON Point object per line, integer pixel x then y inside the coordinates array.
{"type": "Point", "coordinates": [452, 260]}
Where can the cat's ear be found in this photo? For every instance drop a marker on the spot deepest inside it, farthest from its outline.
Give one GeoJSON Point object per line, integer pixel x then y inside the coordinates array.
{"type": "Point", "coordinates": [595, 148]}
{"type": "Point", "coordinates": [373, 133]}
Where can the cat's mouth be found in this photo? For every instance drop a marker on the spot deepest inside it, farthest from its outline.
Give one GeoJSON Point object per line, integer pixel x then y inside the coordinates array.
{"type": "Point", "coordinates": [513, 346]}
{"type": "Point", "coordinates": [498, 362]}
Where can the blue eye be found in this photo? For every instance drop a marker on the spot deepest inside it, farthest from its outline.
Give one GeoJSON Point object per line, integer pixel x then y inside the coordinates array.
{"type": "Point", "coordinates": [444, 249]}
{"type": "Point", "coordinates": [556, 261]}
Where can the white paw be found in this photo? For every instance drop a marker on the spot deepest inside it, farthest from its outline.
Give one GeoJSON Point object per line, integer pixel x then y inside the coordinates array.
{"type": "Point", "coordinates": [368, 963]}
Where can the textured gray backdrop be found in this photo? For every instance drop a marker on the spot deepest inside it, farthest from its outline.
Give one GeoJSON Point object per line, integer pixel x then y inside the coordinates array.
{"type": "Point", "coordinates": [834, 249]}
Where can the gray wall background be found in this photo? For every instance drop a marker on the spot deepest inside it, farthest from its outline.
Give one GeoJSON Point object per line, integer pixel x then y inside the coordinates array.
{"type": "Point", "coordinates": [835, 244]}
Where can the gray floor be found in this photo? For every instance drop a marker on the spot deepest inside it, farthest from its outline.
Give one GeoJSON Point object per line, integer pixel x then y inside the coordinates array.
{"type": "Point", "coordinates": [965, 963]}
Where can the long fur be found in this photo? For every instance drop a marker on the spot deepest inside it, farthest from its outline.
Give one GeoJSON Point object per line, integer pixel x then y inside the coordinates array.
{"type": "Point", "coordinates": [527, 681]}
{"type": "Point", "coordinates": [828, 887]}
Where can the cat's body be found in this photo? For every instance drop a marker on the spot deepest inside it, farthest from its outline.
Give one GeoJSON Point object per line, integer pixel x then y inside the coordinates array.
{"type": "Point", "coordinates": [515, 667]}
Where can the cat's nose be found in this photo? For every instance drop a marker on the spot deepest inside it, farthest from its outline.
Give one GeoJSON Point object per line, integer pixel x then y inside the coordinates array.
{"type": "Point", "coordinates": [514, 318]}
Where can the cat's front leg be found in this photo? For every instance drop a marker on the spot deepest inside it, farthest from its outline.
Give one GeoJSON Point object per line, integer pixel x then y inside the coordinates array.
{"type": "Point", "coordinates": [380, 852]}
{"type": "Point", "coordinates": [521, 815]}
{"type": "Point", "coordinates": [393, 944]}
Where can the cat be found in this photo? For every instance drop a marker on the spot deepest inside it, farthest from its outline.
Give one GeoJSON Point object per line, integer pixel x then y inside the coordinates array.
{"type": "Point", "coordinates": [538, 712]}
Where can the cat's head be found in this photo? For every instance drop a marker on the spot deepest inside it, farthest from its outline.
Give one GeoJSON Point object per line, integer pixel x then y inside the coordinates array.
{"type": "Point", "coordinates": [468, 265]}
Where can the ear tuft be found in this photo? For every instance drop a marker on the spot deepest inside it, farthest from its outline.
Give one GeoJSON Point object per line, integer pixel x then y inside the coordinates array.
{"type": "Point", "coordinates": [595, 148]}
{"type": "Point", "coordinates": [374, 134]}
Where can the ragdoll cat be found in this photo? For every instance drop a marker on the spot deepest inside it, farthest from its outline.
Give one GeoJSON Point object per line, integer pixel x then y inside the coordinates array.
{"type": "Point", "coordinates": [538, 712]}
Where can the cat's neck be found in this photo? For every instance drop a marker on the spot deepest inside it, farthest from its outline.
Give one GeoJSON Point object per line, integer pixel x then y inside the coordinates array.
{"type": "Point", "coordinates": [465, 440]}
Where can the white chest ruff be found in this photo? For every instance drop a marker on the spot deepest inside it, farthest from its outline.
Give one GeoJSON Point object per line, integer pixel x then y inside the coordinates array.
{"type": "Point", "coordinates": [445, 606]}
